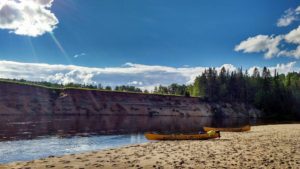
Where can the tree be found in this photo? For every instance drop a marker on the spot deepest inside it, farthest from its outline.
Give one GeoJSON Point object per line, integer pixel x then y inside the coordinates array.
{"type": "Point", "coordinates": [108, 88]}
{"type": "Point", "coordinates": [256, 73]}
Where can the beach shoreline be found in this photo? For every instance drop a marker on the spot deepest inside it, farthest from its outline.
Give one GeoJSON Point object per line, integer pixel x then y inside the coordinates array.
{"type": "Point", "coordinates": [267, 146]}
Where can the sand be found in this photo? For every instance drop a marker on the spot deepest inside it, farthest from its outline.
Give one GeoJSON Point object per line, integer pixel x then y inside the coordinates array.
{"type": "Point", "coordinates": [269, 146]}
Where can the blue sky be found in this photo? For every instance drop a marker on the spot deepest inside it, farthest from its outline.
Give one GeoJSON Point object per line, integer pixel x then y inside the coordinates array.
{"type": "Point", "coordinates": [171, 33]}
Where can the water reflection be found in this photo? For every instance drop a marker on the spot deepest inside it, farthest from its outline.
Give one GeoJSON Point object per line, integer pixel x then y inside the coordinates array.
{"type": "Point", "coordinates": [28, 127]}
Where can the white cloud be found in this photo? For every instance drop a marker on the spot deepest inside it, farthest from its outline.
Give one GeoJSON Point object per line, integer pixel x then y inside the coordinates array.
{"type": "Point", "coordinates": [260, 43]}
{"type": "Point", "coordinates": [27, 17]}
{"type": "Point", "coordinates": [142, 76]}
{"type": "Point", "coordinates": [79, 55]}
{"type": "Point", "coordinates": [280, 68]}
{"type": "Point", "coordinates": [135, 83]}
{"type": "Point", "coordinates": [285, 68]}
{"type": "Point", "coordinates": [291, 53]}
{"type": "Point", "coordinates": [293, 36]}
{"type": "Point", "coordinates": [289, 17]}
{"type": "Point", "coordinates": [274, 46]}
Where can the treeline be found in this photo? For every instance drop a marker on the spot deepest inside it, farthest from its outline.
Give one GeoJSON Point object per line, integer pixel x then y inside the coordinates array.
{"type": "Point", "coordinates": [122, 88]}
{"type": "Point", "coordinates": [278, 95]}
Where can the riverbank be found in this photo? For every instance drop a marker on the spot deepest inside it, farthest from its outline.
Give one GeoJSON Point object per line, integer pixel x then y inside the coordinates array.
{"type": "Point", "coordinates": [25, 99]}
{"type": "Point", "coordinates": [263, 147]}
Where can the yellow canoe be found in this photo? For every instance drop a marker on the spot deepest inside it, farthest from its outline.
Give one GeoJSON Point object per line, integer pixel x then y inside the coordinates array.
{"type": "Point", "coordinates": [205, 136]}
{"type": "Point", "coordinates": [239, 129]}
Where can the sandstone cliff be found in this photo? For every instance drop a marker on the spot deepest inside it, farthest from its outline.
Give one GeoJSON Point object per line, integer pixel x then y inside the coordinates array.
{"type": "Point", "coordinates": [17, 99]}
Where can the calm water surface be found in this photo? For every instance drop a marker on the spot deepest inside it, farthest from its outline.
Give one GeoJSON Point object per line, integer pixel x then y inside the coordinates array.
{"type": "Point", "coordinates": [23, 150]}
{"type": "Point", "coordinates": [25, 138]}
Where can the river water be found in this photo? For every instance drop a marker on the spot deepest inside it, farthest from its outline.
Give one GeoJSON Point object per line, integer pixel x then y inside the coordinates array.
{"type": "Point", "coordinates": [23, 150]}
{"type": "Point", "coordinates": [25, 138]}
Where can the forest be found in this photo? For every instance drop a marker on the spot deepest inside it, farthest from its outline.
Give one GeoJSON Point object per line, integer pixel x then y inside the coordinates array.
{"type": "Point", "coordinates": [277, 95]}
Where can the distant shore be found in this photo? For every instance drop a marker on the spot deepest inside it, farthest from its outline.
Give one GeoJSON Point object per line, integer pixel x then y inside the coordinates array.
{"type": "Point", "coordinates": [268, 146]}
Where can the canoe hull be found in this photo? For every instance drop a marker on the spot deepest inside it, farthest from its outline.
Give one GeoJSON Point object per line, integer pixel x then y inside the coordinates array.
{"type": "Point", "coordinates": [153, 136]}
{"type": "Point", "coordinates": [241, 129]}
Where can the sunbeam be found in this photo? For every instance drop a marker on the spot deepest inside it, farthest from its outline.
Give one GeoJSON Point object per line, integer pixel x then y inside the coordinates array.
{"type": "Point", "coordinates": [60, 47]}
{"type": "Point", "coordinates": [32, 48]}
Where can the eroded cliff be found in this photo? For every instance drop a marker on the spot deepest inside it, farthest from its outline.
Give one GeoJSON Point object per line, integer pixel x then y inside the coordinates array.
{"type": "Point", "coordinates": [17, 99]}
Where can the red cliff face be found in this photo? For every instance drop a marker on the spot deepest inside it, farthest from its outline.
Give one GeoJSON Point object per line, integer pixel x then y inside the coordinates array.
{"type": "Point", "coordinates": [25, 99]}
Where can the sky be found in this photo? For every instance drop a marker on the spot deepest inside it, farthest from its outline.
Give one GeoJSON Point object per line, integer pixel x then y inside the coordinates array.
{"type": "Point", "coordinates": [144, 43]}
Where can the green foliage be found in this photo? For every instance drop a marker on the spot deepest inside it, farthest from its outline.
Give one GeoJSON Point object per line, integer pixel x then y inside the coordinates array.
{"type": "Point", "coordinates": [278, 95]}
{"type": "Point", "coordinates": [124, 88]}
{"type": "Point", "coordinates": [108, 88]}
{"type": "Point", "coordinates": [173, 89]}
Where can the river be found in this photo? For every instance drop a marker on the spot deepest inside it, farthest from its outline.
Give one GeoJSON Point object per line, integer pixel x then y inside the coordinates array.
{"type": "Point", "coordinates": [25, 138]}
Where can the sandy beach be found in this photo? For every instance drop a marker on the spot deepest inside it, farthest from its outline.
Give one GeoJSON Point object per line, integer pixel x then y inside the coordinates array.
{"type": "Point", "coordinates": [269, 146]}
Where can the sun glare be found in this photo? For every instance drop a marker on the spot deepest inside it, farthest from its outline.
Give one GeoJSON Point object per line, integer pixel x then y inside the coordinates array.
{"type": "Point", "coordinates": [60, 47]}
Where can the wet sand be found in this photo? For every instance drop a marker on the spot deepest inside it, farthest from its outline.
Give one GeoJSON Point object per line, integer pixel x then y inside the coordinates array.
{"type": "Point", "coordinates": [269, 146]}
